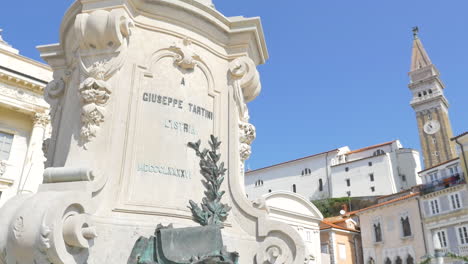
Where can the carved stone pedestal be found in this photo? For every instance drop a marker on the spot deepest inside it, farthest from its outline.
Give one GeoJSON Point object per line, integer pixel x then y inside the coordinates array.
{"type": "Point", "coordinates": [134, 82]}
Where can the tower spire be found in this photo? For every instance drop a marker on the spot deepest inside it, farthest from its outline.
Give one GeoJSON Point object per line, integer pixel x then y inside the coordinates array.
{"type": "Point", "coordinates": [431, 107]}
{"type": "Point", "coordinates": [419, 57]}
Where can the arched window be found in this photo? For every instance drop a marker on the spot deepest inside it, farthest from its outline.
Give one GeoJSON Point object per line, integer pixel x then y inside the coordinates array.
{"type": "Point", "coordinates": [405, 224]}
{"type": "Point", "coordinates": [320, 185]}
{"type": "Point", "coordinates": [388, 261]}
{"type": "Point", "coordinates": [378, 233]}
{"type": "Point", "coordinates": [371, 260]}
{"type": "Point", "coordinates": [294, 188]}
{"type": "Point", "coordinates": [379, 152]}
{"type": "Point", "coordinates": [269, 190]}
{"type": "Point", "coordinates": [398, 260]}
{"type": "Point", "coordinates": [409, 260]}
{"type": "Point", "coordinates": [419, 94]}
{"type": "Point", "coordinates": [424, 93]}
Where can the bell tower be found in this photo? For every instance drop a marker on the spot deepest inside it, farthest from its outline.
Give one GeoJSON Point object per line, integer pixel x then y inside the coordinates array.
{"type": "Point", "coordinates": [431, 107]}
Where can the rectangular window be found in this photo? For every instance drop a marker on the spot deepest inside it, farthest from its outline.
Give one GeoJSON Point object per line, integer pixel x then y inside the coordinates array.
{"type": "Point", "coordinates": [348, 182]}
{"type": "Point", "coordinates": [324, 248]}
{"type": "Point", "coordinates": [434, 206]}
{"type": "Point", "coordinates": [5, 145]}
{"type": "Point", "coordinates": [463, 234]}
{"type": "Point", "coordinates": [372, 189]}
{"type": "Point", "coordinates": [371, 176]}
{"type": "Point", "coordinates": [308, 238]}
{"type": "Point", "coordinates": [455, 201]}
{"type": "Point", "coordinates": [370, 164]}
{"type": "Point", "coordinates": [433, 176]}
{"type": "Point", "coordinates": [442, 238]}
{"type": "Point", "coordinates": [453, 170]}
{"type": "Point", "coordinates": [346, 169]}
{"type": "Point", "coordinates": [342, 251]}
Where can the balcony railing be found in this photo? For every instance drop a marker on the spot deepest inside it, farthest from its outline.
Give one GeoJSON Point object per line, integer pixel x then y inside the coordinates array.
{"type": "Point", "coordinates": [443, 183]}
{"type": "Point", "coordinates": [463, 250]}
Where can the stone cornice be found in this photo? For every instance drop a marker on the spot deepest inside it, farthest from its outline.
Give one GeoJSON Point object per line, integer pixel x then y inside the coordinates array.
{"type": "Point", "coordinates": [24, 82]}
{"type": "Point", "coordinates": [27, 60]}
{"type": "Point", "coordinates": [446, 216]}
{"type": "Point", "coordinates": [22, 101]}
{"type": "Point", "coordinates": [220, 23]}
{"type": "Point", "coordinates": [426, 80]}
{"type": "Point", "coordinates": [443, 191]}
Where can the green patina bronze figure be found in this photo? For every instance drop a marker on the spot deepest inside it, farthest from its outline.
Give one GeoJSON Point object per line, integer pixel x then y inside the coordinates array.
{"type": "Point", "coordinates": [193, 245]}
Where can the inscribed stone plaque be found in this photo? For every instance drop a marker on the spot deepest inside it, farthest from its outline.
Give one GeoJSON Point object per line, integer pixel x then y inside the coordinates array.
{"type": "Point", "coordinates": [174, 107]}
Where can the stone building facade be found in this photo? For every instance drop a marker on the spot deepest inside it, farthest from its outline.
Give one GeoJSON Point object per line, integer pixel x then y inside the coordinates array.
{"type": "Point", "coordinates": [444, 204]}
{"type": "Point", "coordinates": [392, 232]}
{"type": "Point", "coordinates": [340, 240]}
{"type": "Point", "coordinates": [24, 121]}
{"type": "Point", "coordinates": [371, 171]}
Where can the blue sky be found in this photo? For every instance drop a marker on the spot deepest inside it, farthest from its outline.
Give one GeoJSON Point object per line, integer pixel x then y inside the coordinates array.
{"type": "Point", "coordinates": [337, 73]}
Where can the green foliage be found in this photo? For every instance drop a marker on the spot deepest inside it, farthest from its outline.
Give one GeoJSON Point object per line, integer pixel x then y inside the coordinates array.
{"type": "Point", "coordinates": [331, 206]}
{"type": "Point", "coordinates": [211, 211]}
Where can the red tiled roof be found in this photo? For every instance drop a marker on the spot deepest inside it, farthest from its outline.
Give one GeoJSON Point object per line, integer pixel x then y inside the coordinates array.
{"type": "Point", "coordinates": [327, 225]}
{"type": "Point", "coordinates": [274, 165]}
{"type": "Point", "coordinates": [371, 147]}
{"type": "Point", "coordinates": [335, 219]}
{"type": "Point", "coordinates": [388, 202]}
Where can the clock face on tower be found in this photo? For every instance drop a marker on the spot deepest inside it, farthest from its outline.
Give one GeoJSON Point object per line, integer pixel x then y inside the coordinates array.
{"type": "Point", "coordinates": [431, 127]}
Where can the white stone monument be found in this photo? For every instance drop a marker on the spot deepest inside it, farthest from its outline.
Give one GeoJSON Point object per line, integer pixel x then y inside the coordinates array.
{"type": "Point", "coordinates": [134, 82]}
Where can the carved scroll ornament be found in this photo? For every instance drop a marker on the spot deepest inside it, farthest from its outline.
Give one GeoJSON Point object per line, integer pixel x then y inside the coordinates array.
{"type": "Point", "coordinates": [246, 81]}
{"type": "Point", "coordinates": [53, 94]}
{"type": "Point", "coordinates": [52, 226]}
{"type": "Point", "coordinates": [246, 84]}
{"type": "Point", "coordinates": [285, 246]}
{"type": "Point", "coordinates": [104, 39]}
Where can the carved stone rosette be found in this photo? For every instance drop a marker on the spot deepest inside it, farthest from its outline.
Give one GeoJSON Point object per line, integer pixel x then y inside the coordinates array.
{"type": "Point", "coordinates": [246, 83]}
{"type": "Point", "coordinates": [103, 38]}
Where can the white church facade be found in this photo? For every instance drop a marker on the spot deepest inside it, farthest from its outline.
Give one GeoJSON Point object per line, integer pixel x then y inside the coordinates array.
{"type": "Point", "coordinates": [376, 170]}
{"type": "Point", "coordinates": [24, 121]}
